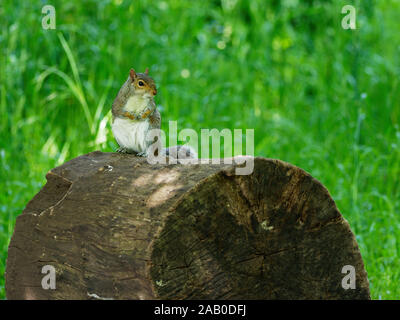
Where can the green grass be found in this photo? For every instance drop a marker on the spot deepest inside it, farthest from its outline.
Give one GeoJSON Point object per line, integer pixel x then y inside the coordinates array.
{"type": "Point", "coordinates": [320, 97]}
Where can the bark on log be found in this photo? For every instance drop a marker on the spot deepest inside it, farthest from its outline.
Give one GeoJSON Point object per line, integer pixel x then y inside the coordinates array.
{"type": "Point", "coordinates": [115, 227]}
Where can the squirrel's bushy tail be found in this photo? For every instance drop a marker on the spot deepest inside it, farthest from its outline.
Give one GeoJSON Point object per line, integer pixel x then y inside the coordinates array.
{"type": "Point", "coordinates": [180, 152]}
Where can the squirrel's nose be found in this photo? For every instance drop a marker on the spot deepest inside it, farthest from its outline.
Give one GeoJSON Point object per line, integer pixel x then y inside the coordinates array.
{"type": "Point", "coordinates": [154, 91]}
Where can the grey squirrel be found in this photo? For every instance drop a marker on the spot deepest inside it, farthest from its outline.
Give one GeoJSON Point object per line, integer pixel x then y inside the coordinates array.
{"type": "Point", "coordinates": [134, 114]}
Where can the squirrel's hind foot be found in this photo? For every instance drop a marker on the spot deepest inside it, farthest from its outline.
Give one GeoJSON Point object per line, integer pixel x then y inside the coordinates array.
{"type": "Point", "coordinates": [142, 154]}
{"type": "Point", "coordinates": [125, 150]}
{"type": "Point", "coordinates": [122, 150]}
{"type": "Point", "coordinates": [128, 151]}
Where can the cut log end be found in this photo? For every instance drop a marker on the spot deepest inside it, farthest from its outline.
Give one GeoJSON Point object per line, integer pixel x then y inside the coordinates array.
{"type": "Point", "coordinates": [115, 227]}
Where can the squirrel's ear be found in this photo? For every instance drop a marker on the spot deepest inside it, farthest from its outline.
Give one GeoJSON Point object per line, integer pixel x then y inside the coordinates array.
{"type": "Point", "coordinates": [147, 71]}
{"type": "Point", "coordinates": [132, 74]}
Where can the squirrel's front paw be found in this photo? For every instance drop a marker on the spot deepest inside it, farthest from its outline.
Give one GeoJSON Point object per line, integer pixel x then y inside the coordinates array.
{"type": "Point", "coordinates": [145, 113]}
{"type": "Point", "coordinates": [131, 115]}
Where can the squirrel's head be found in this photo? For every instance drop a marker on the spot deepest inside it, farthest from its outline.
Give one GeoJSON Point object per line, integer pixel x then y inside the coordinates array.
{"type": "Point", "coordinates": [143, 83]}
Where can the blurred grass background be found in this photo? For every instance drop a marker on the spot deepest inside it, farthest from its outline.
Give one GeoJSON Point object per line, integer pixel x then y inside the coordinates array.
{"type": "Point", "coordinates": [318, 96]}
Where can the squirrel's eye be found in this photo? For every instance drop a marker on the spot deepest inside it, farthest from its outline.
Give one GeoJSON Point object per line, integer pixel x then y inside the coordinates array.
{"type": "Point", "coordinates": [141, 83]}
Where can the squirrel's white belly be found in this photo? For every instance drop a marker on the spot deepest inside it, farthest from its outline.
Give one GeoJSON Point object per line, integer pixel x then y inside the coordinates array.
{"type": "Point", "coordinates": [131, 134]}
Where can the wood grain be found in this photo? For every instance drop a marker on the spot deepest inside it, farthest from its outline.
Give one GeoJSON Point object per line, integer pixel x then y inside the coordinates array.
{"type": "Point", "coordinates": [116, 227]}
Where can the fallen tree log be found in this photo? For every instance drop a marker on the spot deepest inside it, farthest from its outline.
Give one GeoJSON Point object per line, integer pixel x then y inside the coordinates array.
{"type": "Point", "coordinates": [115, 227]}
